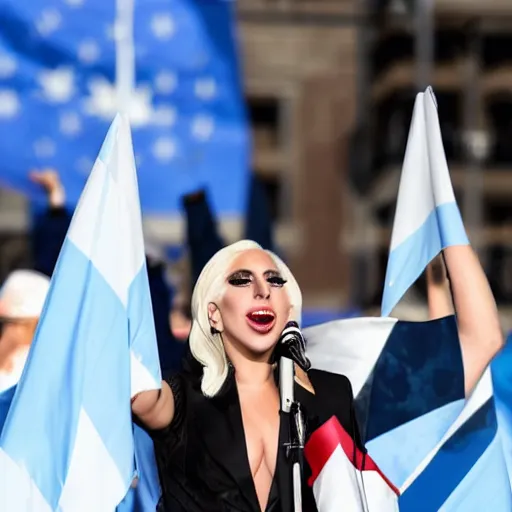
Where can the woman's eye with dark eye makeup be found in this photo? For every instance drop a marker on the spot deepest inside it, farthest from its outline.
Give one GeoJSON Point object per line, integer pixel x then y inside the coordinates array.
{"type": "Point", "coordinates": [239, 281]}
{"type": "Point", "coordinates": [276, 281]}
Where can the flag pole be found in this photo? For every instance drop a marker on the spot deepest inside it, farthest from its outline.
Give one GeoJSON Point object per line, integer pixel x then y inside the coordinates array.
{"type": "Point", "coordinates": [475, 142]}
{"type": "Point", "coordinates": [125, 54]}
{"type": "Point", "coordinates": [424, 24]}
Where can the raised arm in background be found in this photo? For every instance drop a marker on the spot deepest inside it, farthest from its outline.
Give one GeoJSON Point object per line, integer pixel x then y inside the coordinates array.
{"type": "Point", "coordinates": [479, 327]}
{"type": "Point", "coordinates": [50, 226]}
{"type": "Point", "coordinates": [203, 238]}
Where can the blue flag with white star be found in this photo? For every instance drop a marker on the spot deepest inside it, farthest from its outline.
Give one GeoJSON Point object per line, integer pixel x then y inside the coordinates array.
{"type": "Point", "coordinates": [58, 63]}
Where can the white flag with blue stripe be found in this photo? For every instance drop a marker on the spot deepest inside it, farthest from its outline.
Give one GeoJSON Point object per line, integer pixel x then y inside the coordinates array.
{"type": "Point", "coordinates": [67, 443]}
{"type": "Point", "coordinates": [407, 377]}
{"type": "Point", "coordinates": [467, 469]}
{"type": "Point", "coordinates": [427, 217]}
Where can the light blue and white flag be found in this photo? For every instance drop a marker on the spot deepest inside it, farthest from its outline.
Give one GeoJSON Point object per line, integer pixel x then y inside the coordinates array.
{"type": "Point", "coordinates": [501, 368]}
{"type": "Point", "coordinates": [427, 217]}
{"type": "Point", "coordinates": [467, 468]}
{"type": "Point", "coordinates": [67, 443]}
{"type": "Point", "coordinates": [407, 377]}
{"type": "Point", "coordinates": [472, 468]}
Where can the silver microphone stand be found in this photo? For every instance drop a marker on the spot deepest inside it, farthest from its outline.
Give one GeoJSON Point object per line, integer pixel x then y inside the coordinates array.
{"type": "Point", "coordinates": [293, 411]}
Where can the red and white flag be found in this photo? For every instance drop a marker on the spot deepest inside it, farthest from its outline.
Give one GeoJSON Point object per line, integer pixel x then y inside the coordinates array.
{"type": "Point", "coordinates": [343, 478]}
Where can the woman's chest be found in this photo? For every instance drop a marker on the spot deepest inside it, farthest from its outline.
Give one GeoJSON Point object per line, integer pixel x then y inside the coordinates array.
{"type": "Point", "coordinates": [260, 421]}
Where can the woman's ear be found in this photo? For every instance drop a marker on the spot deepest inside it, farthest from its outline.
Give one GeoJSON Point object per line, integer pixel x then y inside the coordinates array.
{"type": "Point", "coordinates": [215, 318]}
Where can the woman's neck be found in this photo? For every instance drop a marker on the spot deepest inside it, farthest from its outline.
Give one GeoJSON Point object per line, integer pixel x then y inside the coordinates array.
{"type": "Point", "coordinates": [250, 372]}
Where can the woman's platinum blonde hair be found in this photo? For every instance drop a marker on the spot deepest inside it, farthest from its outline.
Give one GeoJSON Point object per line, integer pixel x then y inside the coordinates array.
{"type": "Point", "coordinates": [207, 348]}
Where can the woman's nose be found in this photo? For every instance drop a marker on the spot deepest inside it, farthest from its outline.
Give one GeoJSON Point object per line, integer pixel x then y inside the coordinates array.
{"type": "Point", "coordinates": [262, 289]}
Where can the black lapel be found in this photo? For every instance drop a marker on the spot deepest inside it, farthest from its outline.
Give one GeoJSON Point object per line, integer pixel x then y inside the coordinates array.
{"type": "Point", "coordinates": [283, 474]}
{"type": "Point", "coordinates": [220, 424]}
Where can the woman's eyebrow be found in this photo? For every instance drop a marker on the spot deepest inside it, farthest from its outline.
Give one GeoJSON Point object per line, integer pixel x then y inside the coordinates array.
{"type": "Point", "coordinates": [241, 272]}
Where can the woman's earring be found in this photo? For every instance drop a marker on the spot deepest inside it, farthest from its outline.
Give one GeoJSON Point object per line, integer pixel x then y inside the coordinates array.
{"type": "Point", "coordinates": [214, 331]}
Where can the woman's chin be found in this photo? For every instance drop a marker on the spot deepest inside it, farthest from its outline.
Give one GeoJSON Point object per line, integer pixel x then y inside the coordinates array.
{"type": "Point", "coordinates": [260, 350]}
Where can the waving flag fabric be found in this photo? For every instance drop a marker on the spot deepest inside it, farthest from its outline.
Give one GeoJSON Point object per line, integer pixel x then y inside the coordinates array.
{"type": "Point", "coordinates": [343, 478]}
{"type": "Point", "coordinates": [468, 472]}
{"type": "Point", "coordinates": [502, 384]}
{"type": "Point", "coordinates": [58, 63]}
{"type": "Point", "coordinates": [67, 442]}
{"type": "Point", "coordinates": [408, 383]}
{"type": "Point", "coordinates": [469, 469]}
{"type": "Point", "coordinates": [472, 469]}
{"type": "Point", "coordinates": [427, 217]}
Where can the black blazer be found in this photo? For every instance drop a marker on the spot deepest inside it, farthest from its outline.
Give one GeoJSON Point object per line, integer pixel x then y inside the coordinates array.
{"type": "Point", "coordinates": [202, 457]}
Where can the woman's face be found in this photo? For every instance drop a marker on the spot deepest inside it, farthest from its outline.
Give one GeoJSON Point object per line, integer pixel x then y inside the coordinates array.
{"type": "Point", "coordinates": [255, 306]}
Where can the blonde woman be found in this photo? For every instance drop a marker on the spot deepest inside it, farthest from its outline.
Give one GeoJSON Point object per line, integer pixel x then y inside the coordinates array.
{"type": "Point", "coordinates": [216, 426]}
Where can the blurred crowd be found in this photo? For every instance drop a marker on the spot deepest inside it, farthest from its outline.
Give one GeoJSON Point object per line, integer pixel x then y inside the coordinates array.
{"type": "Point", "coordinates": [170, 300]}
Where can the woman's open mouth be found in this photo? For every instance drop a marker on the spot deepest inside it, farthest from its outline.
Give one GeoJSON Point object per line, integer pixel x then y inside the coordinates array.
{"type": "Point", "coordinates": [261, 320]}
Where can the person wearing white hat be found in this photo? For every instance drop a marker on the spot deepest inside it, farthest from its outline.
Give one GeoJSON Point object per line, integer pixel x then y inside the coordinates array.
{"type": "Point", "coordinates": [22, 299]}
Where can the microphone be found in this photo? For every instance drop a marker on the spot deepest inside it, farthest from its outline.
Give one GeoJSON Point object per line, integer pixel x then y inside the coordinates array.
{"type": "Point", "coordinates": [292, 345]}
{"type": "Point", "coordinates": [290, 349]}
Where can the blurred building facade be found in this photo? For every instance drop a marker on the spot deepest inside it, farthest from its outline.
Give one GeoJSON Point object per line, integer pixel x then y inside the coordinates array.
{"type": "Point", "coordinates": [331, 87]}
{"type": "Point", "coordinates": [300, 62]}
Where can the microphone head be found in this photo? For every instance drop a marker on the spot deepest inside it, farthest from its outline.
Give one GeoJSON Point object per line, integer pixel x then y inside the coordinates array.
{"type": "Point", "coordinates": [292, 345]}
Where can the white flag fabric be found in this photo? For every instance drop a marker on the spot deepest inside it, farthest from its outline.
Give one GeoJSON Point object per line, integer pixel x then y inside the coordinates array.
{"type": "Point", "coordinates": [67, 442]}
{"type": "Point", "coordinates": [343, 478]}
{"type": "Point", "coordinates": [427, 217]}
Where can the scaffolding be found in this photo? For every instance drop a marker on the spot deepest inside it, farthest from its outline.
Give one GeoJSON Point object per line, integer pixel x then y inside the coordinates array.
{"type": "Point", "coordinates": [479, 181]}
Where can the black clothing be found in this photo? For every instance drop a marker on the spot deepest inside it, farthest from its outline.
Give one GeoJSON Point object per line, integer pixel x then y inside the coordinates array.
{"type": "Point", "coordinates": [202, 457]}
{"type": "Point", "coordinates": [48, 233]}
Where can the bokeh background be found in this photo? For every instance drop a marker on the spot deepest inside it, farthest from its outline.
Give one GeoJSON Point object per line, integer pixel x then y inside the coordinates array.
{"type": "Point", "coordinates": [312, 96]}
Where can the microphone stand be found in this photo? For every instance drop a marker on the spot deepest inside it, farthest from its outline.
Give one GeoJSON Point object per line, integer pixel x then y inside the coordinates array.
{"type": "Point", "coordinates": [294, 413]}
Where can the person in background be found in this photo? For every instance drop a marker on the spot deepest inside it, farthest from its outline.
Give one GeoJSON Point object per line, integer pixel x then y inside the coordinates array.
{"type": "Point", "coordinates": [203, 237]}
{"type": "Point", "coordinates": [22, 298]}
{"type": "Point", "coordinates": [180, 315]}
{"type": "Point", "coordinates": [258, 220]}
{"type": "Point", "coordinates": [170, 348]}
{"type": "Point", "coordinates": [51, 224]}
